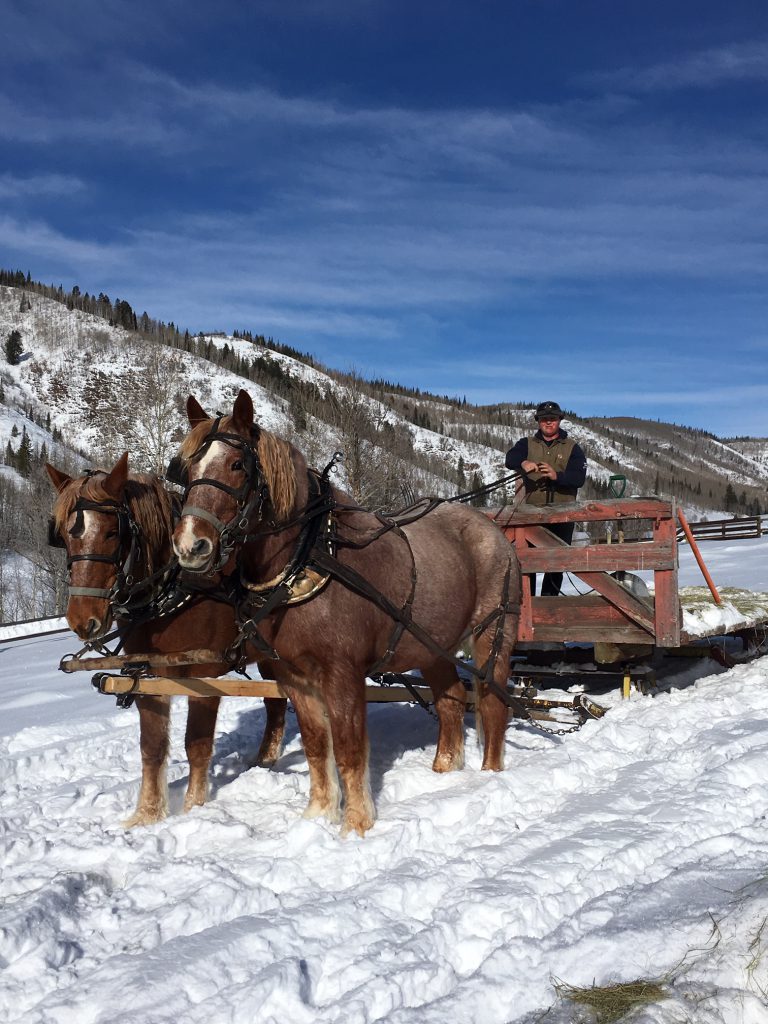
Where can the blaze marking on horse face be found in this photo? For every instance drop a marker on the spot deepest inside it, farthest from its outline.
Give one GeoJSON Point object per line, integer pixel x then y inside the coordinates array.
{"type": "Point", "coordinates": [90, 529]}
{"type": "Point", "coordinates": [186, 537]}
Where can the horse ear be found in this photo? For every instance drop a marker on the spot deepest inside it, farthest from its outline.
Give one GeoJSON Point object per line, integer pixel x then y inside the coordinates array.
{"type": "Point", "coordinates": [57, 478]}
{"type": "Point", "coordinates": [242, 413]}
{"type": "Point", "coordinates": [116, 479]}
{"type": "Point", "coordinates": [195, 412]}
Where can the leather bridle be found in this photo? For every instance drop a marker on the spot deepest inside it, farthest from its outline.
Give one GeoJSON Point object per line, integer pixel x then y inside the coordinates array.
{"type": "Point", "coordinates": [128, 536]}
{"type": "Point", "coordinates": [250, 496]}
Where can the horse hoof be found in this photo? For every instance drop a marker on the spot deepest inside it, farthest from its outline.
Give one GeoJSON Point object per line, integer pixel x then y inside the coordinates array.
{"type": "Point", "coordinates": [144, 817]}
{"type": "Point", "coordinates": [268, 761]}
{"type": "Point", "coordinates": [267, 755]}
{"type": "Point", "coordinates": [356, 823]}
{"type": "Point", "coordinates": [317, 810]}
{"type": "Point", "coordinates": [447, 763]}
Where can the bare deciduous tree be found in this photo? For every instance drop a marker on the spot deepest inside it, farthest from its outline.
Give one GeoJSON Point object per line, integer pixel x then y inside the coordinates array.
{"type": "Point", "coordinates": [158, 416]}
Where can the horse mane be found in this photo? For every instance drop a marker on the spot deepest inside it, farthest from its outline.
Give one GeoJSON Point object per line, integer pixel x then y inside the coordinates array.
{"type": "Point", "coordinates": [275, 457]}
{"type": "Point", "coordinates": [150, 505]}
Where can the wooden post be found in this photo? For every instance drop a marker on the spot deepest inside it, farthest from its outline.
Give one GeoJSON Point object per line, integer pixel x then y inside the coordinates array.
{"type": "Point", "coordinates": [667, 608]}
{"type": "Point", "coordinates": [695, 549]}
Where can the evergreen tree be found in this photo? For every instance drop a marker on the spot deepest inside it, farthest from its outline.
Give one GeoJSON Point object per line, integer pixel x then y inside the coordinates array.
{"type": "Point", "coordinates": [13, 348]}
{"type": "Point", "coordinates": [477, 482]}
{"type": "Point", "coordinates": [25, 455]}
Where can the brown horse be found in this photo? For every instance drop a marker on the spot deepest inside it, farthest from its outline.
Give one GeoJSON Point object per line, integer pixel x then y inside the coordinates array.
{"type": "Point", "coordinates": [451, 572]}
{"type": "Point", "coordinates": [90, 516]}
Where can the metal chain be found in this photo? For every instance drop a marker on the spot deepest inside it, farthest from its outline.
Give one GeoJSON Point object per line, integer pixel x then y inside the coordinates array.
{"type": "Point", "coordinates": [554, 732]}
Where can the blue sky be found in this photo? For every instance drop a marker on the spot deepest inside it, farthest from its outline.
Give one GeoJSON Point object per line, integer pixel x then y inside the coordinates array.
{"type": "Point", "coordinates": [505, 200]}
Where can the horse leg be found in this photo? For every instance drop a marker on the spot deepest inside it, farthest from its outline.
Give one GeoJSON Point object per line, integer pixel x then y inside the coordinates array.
{"type": "Point", "coordinates": [315, 730]}
{"type": "Point", "coordinates": [450, 704]}
{"type": "Point", "coordinates": [274, 731]}
{"type": "Point", "coordinates": [494, 713]}
{"type": "Point", "coordinates": [201, 726]}
{"type": "Point", "coordinates": [347, 713]}
{"type": "Point", "coordinates": [152, 805]}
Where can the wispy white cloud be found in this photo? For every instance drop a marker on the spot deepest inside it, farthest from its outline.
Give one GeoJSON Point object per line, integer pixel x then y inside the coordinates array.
{"type": "Point", "coordinates": [23, 122]}
{"type": "Point", "coordinates": [735, 62]}
{"type": "Point", "coordinates": [36, 239]}
{"type": "Point", "coordinates": [16, 186]}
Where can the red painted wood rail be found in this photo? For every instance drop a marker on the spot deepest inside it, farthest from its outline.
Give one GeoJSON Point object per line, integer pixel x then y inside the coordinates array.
{"type": "Point", "coordinates": [609, 612]}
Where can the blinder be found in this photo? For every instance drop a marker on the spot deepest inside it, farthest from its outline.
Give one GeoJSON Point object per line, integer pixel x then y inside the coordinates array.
{"type": "Point", "coordinates": [55, 540]}
{"type": "Point", "coordinates": [177, 472]}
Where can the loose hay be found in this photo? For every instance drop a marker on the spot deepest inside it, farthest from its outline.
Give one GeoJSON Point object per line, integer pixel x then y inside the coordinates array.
{"type": "Point", "coordinates": [610, 1003]}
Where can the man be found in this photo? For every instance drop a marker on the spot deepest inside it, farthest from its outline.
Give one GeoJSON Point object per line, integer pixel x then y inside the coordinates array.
{"type": "Point", "coordinates": [554, 468]}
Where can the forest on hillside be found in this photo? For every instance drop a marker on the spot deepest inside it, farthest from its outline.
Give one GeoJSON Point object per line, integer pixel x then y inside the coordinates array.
{"type": "Point", "coordinates": [371, 421]}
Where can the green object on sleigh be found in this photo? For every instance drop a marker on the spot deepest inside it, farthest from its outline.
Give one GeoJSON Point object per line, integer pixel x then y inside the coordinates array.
{"type": "Point", "coordinates": [617, 484]}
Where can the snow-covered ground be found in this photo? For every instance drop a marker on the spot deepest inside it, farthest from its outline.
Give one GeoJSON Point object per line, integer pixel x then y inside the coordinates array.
{"type": "Point", "coordinates": [635, 848]}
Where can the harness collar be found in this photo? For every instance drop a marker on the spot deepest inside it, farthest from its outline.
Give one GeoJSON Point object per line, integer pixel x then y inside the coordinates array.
{"type": "Point", "coordinates": [301, 581]}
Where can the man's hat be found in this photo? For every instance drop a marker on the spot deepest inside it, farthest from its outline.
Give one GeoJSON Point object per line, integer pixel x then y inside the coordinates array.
{"type": "Point", "coordinates": [548, 410]}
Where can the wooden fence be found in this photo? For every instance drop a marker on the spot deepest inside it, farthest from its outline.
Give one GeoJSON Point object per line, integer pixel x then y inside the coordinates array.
{"type": "Point", "coordinates": [725, 529]}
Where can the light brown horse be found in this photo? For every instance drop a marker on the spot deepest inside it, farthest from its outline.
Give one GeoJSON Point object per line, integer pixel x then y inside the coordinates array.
{"type": "Point", "coordinates": [96, 550]}
{"type": "Point", "coordinates": [449, 571]}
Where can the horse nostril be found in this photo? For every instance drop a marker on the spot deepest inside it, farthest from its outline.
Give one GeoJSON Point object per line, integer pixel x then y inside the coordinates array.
{"type": "Point", "coordinates": [201, 547]}
{"type": "Point", "coordinates": [92, 628]}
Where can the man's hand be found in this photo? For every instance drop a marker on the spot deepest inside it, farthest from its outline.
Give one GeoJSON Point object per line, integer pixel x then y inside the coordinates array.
{"type": "Point", "coordinates": [529, 467]}
{"type": "Point", "coordinates": [546, 470]}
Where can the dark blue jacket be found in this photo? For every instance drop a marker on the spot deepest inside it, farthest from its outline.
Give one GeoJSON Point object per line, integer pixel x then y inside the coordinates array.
{"type": "Point", "coordinates": [575, 472]}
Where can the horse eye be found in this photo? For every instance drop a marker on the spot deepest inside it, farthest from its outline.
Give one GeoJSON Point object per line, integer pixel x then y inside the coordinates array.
{"type": "Point", "coordinates": [237, 464]}
{"type": "Point", "coordinates": [111, 534]}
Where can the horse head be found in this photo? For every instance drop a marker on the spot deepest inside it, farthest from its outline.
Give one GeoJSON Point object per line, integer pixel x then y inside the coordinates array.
{"type": "Point", "coordinates": [116, 529]}
{"type": "Point", "coordinates": [90, 521]}
{"type": "Point", "coordinates": [237, 478]}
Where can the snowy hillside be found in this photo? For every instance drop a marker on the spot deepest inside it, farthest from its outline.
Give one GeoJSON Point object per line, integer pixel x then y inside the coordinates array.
{"type": "Point", "coordinates": [753, 449]}
{"type": "Point", "coordinates": [101, 385]}
{"type": "Point", "coordinates": [108, 389]}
